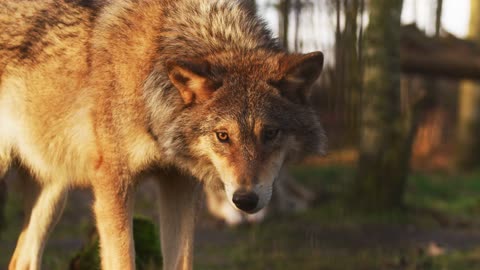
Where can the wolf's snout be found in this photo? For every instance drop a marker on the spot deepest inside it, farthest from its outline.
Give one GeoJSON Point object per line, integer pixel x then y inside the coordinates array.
{"type": "Point", "coordinates": [246, 201]}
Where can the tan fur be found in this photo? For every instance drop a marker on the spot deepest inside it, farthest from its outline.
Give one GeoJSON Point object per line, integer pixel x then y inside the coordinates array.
{"type": "Point", "coordinates": [97, 93]}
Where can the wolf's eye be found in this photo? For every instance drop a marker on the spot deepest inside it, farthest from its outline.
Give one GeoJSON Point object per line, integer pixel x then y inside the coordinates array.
{"type": "Point", "coordinates": [270, 134]}
{"type": "Point", "coordinates": [222, 136]}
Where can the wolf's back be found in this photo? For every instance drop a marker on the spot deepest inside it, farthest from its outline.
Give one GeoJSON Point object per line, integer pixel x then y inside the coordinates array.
{"type": "Point", "coordinates": [32, 31]}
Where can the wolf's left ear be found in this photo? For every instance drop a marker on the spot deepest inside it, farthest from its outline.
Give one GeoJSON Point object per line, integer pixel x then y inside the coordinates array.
{"type": "Point", "coordinates": [193, 79]}
{"type": "Point", "coordinates": [299, 72]}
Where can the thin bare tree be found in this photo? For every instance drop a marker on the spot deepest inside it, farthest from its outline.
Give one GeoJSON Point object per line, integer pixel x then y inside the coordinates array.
{"type": "Point", "coordinates": [468, 140]}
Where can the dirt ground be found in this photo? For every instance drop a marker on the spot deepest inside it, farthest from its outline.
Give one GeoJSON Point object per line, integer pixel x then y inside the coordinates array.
{"type": "Point", "coordinates": [323, 237]}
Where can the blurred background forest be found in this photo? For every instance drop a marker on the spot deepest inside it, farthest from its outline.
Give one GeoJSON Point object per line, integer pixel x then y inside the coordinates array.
{"type": "Point", "coordinates": [400, 186]}
{"type": "Point", "coordinates": [398, 91]}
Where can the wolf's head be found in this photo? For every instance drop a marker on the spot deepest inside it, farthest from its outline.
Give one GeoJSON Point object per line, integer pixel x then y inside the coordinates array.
{"type": "Point", "coordinates": [244, 115]}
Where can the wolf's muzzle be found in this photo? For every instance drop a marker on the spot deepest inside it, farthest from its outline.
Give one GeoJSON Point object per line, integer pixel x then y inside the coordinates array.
{"type": "Point", "coordinates": [246, 201]}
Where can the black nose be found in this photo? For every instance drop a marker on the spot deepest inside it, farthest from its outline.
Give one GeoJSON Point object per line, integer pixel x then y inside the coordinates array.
{"type": "Point", "coordinates": [246, 201]}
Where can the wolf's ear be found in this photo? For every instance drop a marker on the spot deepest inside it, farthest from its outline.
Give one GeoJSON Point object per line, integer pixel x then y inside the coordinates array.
{"type": "Point", "coordinates": [299, 72]}
{"type": "Point", "coordinates": [193, 80]}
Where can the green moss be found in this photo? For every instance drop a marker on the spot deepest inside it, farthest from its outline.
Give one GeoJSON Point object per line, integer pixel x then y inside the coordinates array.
{"type": "Point", "coordinates": [147, 248]}
{"type": "Point", "coordinates": [147, 244]}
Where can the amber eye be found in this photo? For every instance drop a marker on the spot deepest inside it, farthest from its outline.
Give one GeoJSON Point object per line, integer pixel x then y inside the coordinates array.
{"type": "Point", "coordinates": [222, 136]}
{"type": "Point", "coordinates": [270, 134]}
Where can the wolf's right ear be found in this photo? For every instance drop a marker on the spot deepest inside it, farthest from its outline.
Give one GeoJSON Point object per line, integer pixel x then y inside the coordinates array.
{"type": "Point", "coordinates": [192, 79]}
{"type": "Point", "coordinates": [299, 72]}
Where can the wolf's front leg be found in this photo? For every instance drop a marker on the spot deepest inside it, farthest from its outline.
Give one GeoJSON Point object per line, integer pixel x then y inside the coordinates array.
{"type": "Point", "coordinates": [44, 205]}
{"type": "Point", "coordinates": [178, 202]}
{"type": "Point", "coordinates": [113, 212]}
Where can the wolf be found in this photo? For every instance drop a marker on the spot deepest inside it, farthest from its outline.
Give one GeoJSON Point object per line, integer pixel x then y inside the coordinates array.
{"type": "Point", "coordinates": [99, 94]}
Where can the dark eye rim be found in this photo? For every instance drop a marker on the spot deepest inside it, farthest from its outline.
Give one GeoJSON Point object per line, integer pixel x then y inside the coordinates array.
{"type": "Point", "coordinates": [271, 133]}
{"type": "Point", "coordinates": [222, 136]}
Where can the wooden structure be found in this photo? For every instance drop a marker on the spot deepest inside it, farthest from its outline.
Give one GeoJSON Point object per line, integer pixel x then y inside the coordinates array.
{"type": "Point", "coordinates": [447, 56]}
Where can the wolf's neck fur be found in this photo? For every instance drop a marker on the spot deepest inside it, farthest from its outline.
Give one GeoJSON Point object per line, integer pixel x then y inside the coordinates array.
{"type": "Point", "coordinates": [195, 28]}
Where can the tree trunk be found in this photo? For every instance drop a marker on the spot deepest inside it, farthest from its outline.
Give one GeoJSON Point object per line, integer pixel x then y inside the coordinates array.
{"type": "Point", "coordinates": [339, 78]}
{"type": "Point", "coordinates": [284, 8]}
{"type": "Point", "coordinates": [469, 106]}
{"type": "Point", "coordinates": [351, 66]}
{"type": "Point", "coordinates": [297, 9]}
{"type": "Point", "coordinates": [385, 136]}
{"type": "Point", "coordinates": [438, 17]}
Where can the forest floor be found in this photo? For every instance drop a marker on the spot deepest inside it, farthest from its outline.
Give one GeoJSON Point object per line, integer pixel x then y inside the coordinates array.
{"type": "Point", "coordinates": [439, 229]}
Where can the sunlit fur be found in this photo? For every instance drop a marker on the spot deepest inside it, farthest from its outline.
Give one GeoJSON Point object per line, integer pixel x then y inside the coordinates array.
{"type": "Point", "coordinates": [97, 93]}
